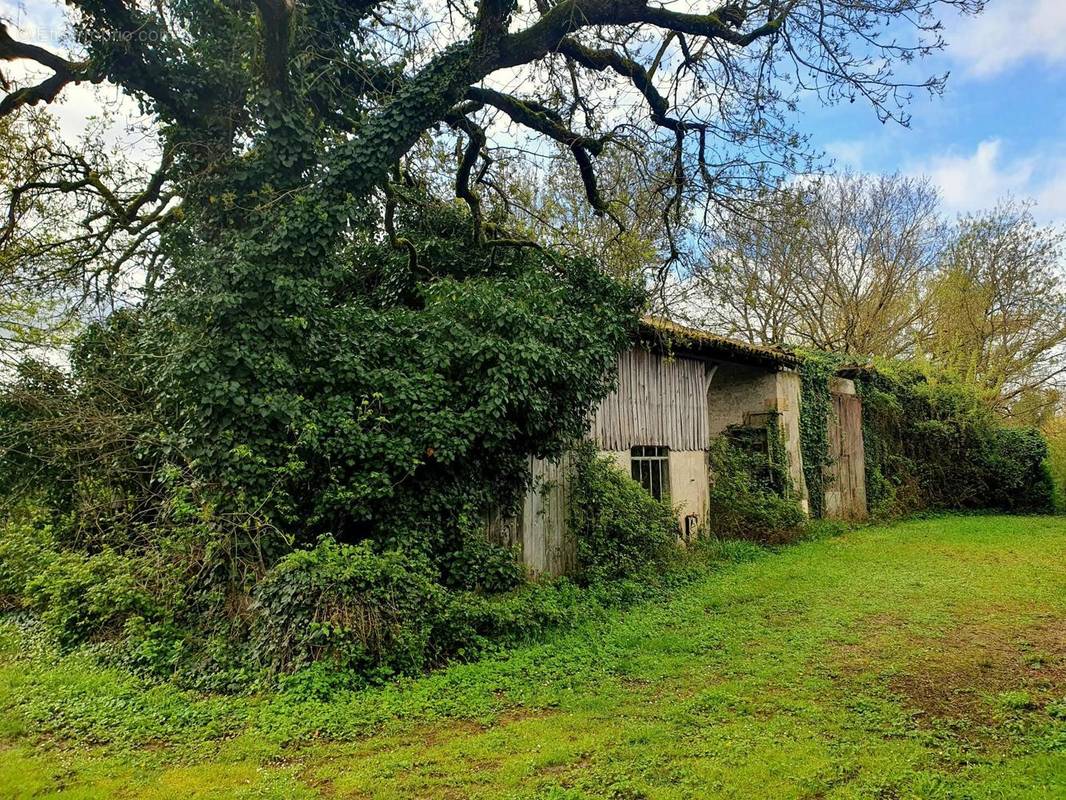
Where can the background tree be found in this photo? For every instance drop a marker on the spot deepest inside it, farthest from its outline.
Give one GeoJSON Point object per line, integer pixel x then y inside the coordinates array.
{"type": "Point", "coordinates": [837, 264]}
{"type": "Point", "coordinates": [873, 244]}
{"type": "Point", "coordinates": [747, 282]}
{"type": "Point", "coordinates": [996, 312]}
{"type": "Point", "coordinates": [79, 234]}
{"type": "Point", "coordinates": [865, 266]}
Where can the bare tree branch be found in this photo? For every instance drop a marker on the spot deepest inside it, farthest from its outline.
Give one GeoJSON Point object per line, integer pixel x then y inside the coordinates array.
{"type": "Point", "coordinates": [64, 72]}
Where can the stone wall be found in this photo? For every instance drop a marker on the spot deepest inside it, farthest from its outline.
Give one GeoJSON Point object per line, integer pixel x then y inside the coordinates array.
{"type": "Point", "coordinates": [739, 393]}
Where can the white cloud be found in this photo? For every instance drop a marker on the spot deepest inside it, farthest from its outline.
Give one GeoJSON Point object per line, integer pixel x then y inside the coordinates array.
{"type": "Point", "coordinates": [974, 181]}
{"type": "Point", "coordinates": [850, 154]}
{"type": "Point", "coordinates": [1009, 32]}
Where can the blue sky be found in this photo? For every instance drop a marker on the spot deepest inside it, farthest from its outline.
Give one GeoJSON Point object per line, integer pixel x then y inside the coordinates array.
{"type": "Point", "coordinates": [999, 129]}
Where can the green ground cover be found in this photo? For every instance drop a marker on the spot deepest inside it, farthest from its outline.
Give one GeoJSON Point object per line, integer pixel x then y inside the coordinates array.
{"type": "Point", "coordinates": [926, 659]}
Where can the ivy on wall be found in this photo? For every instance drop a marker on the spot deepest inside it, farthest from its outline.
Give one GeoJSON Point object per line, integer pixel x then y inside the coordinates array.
{"type": "Point", "coordinates": [751, 495]}
{"type": "Point", "coordinates": [777, 456]}
{"type": "Point", "coordinates": [890, 489]}
{"type": "Point", "coordinates": [815, 407]}
{"type": "Point", "coordinates": [932, 443]}
{"type": "Point", "coordinates": [764, 454]}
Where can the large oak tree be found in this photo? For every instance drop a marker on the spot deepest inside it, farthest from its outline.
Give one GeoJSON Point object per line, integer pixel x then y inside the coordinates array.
{"type": "Point", "coordinates": [327, 97]}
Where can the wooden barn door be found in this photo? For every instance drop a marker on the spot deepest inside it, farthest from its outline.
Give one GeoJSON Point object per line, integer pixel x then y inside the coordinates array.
{"type": "Point", "coordinates": [547, 546]}
{"type": "Point", "coordinates": [845, 496]}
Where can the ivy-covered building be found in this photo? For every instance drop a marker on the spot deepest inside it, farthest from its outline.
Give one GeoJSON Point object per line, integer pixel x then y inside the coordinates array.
{"type": "Point", "coordinates": [678, 389]}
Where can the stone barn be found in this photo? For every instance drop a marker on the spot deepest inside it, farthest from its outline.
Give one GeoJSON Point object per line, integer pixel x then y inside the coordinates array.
{"type": "Point", "coordinates": [677, 389]}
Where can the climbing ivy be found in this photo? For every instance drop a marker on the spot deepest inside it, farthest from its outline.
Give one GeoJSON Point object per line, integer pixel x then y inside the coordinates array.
{"type": "Point", "coordinates": [777, 456]}
{"type": "Point", "coordinates": [815, 406]}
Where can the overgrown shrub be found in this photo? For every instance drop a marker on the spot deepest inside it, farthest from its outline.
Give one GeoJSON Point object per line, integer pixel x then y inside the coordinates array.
{"type": "Point", "coordinates": [338, 614]}
{"type": "Point", "coordinates": [620, 528]}
{"type": "Point", "coordinates": [368, 612]}
{"type": "Point", "coordinates": [26, 547]}
{"type": "Point", "coordinates": [480, 565]}
{"type": "Point", "coordinates": [213, 434]}
{"type": "Point", "coordinates": [82, 597]}
{"type": "Point", "coordinates": [1016, 471]}
{"type": "Point", "coordinates": [747, 504]}
{"type": "Point", "coordinates": [473, 623]}
{"type": "Point", "coordinates": [367, 399]}
{"type": "Point", "coordinates": [931, 443]}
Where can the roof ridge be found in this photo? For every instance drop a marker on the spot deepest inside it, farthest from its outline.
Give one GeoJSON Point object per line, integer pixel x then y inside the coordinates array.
{"type": "Point", "coordinates": [664, 325]}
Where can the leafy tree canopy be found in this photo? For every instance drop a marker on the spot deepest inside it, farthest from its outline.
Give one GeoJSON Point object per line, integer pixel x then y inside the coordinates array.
{"type": "Point", "coordinates": [289, 118]}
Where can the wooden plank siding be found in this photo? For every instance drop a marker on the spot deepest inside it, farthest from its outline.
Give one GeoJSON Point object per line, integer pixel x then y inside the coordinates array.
{"type": "Point", "coordinates": [659, 401]}
{"type": "Point", "coordinates": [547, 547]}
{"type": "Point", "coordinates": [845, 495]}
{"type": "Point", "coordinates": [539, 532]}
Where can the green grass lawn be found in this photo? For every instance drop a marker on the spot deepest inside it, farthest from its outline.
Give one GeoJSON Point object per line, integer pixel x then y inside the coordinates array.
{"type": "Point", "coordinates": [926, 659]}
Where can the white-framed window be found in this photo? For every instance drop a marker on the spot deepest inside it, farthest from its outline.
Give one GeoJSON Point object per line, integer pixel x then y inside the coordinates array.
{"type": "Point", "coordinates": [650, 465]}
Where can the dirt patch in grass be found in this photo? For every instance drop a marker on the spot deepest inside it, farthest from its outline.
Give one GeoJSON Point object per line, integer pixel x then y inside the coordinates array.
{"type": "Point", "coordinates": [959, 676]}
{"type": "Point", "coordinates": [975, 687]}
{"type": "Point", "coordinates": [977, 672]}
